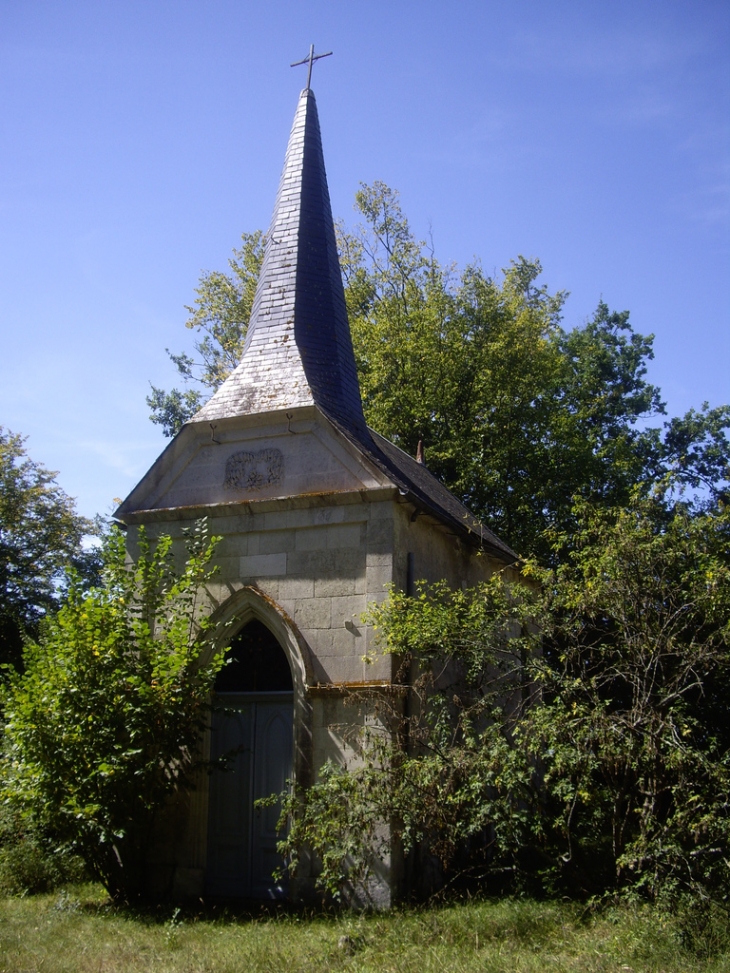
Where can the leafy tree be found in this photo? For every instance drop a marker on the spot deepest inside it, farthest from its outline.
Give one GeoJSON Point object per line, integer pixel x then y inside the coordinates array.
{"type": "Point", "coordinates": [696, 455]}
{"type": "Point", "coordinates": [40, 534]}
{"type": "Point", "coordinates": [517, 414]}
{"type": "Point", "coordinates": [220, 314]}
{"type": "Point", "coordinates": [639, 694]}
{"type": "Point", "coordinates": [104, 725]}
{"type": "Point", "coordinates": [573, 736]}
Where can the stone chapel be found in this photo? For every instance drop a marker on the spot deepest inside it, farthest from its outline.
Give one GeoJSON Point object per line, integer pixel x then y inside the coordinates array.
{"type": "Point", "coordinates": [318, 514]}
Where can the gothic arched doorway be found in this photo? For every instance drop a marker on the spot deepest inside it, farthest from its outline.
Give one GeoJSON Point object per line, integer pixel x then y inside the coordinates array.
{"type": "Point", "coordinates": [252, 721]}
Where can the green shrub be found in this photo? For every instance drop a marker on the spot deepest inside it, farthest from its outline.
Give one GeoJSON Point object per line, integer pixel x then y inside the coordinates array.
{"type": "Point", "coordinates": [29, 862]}
{"type": "Point", "coordinates": [703, 926]}
{"type": "Point", "coordinates": [104, 724]}
{"type": "Point", "coordinates": [573, 736]}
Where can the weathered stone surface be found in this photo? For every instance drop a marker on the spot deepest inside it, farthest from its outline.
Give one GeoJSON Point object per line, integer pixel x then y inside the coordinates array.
{"type": "Point", "coordinates": [329, 587]}
{"type": "Point", "coordinates": [262, 565]}
{"type": "Point", "coordinates": [276, 542]}
{"type": "Point", "coordinates": [238, 469]}
{"type": "Point", "coordinates": [312, 613]}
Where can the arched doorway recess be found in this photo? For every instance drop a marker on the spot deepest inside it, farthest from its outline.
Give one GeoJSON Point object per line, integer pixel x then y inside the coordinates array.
{"type": "Point", "coordinates": [253, 723]}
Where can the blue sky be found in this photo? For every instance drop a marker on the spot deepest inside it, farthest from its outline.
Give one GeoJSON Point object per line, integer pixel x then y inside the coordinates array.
{"type": "Point", "coordinates": [141, 138]}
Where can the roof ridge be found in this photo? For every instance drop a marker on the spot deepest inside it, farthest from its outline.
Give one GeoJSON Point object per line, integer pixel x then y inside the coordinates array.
{"type": "Point", "coordinates": [424, 488]}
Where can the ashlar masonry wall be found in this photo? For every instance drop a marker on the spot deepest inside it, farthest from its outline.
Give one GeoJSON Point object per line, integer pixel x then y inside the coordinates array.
{"type": "Point", "coordinates": [308, 567]}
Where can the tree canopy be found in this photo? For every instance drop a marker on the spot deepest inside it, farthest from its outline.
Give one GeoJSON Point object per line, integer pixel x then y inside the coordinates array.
{"type": "Point", "coordinates": [40, 536]}
{"type": "Point", "coordinates": [219, 317]}
{"type": "Point", "coordinates": [518, 414]}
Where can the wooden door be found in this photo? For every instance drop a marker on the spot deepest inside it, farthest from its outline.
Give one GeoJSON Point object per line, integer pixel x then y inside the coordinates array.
{"type": "Point", "coordinates": [272, 767]}
{"type": "Point", "coordinates": [257, 730]}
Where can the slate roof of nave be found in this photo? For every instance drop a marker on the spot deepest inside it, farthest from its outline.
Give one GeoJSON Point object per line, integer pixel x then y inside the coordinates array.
{"type": "Point", "coordinates": [427, 492]}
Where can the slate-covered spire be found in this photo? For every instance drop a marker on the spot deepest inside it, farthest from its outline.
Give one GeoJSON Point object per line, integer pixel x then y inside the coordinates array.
{"type": "Point", "coordinates": [298, 349]}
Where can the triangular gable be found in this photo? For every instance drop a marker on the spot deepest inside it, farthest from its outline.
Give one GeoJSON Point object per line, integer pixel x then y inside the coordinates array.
{"type": "Point", "coordinates": [240, 460]}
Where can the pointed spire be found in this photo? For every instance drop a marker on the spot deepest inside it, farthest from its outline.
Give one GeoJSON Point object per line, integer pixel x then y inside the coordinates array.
{"type": "Point", "coordinates": [298, 349]}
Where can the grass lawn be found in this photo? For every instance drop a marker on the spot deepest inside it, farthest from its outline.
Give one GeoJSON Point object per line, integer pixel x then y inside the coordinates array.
{"type": "Point", "coordinates": [78, 931]}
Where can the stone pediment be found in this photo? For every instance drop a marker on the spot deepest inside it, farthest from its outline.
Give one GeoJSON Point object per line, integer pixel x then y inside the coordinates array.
{"type": "Point", "coordinates": [244, 459]}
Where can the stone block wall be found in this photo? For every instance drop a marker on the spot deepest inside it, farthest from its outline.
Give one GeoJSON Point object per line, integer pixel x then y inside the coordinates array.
{"type": "Point", "coordinates": [315, 563]}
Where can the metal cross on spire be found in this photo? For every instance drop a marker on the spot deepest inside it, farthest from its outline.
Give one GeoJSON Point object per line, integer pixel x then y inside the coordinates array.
{"type": "Point", "coordinates": [310, 59]}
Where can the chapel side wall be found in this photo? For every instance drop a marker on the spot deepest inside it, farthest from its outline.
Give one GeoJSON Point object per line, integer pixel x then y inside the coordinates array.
{"type": "Point", "coordinates": [437, 553]}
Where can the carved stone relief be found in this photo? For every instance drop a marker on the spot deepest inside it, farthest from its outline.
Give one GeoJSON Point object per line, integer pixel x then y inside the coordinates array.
{"type": "Point", "coordinates": [254, 471]}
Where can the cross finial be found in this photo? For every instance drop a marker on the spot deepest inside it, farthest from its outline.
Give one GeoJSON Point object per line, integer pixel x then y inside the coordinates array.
{"type": "Point", "coordinates": [310, 59]}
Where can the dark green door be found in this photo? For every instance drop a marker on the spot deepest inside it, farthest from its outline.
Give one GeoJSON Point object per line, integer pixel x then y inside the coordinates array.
{"type": "Point", "coordinates": [242, 839]}
{"type": "Point", "coordinates": [253, 726]}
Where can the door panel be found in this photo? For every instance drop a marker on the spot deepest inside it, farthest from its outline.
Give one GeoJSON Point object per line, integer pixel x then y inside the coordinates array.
{"type": "Point", "coordinates": [230, 806]}
{"type": "Point", "coordinates": [242, 840]}
{"type": "Point", "coordinates": [272, 769]}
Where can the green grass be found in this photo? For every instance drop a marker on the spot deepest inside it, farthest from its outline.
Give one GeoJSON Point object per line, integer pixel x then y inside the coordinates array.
{"type": "Point", "coordinates": [77, 931]}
